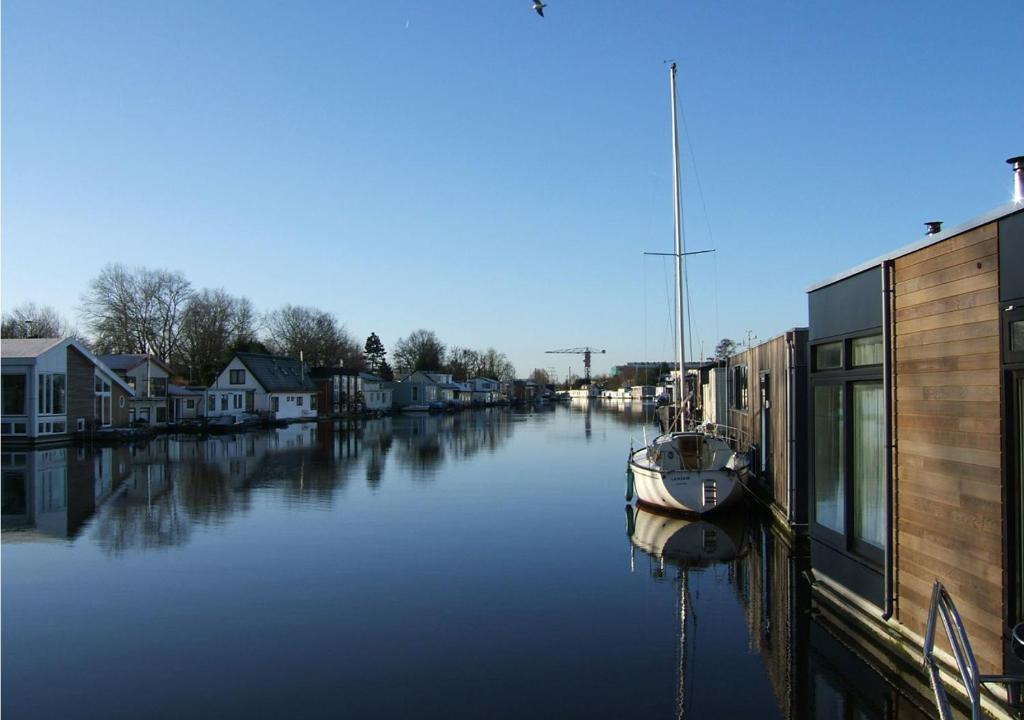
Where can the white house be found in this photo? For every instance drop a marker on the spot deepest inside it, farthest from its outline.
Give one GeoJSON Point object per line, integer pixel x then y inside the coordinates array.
{"type": "Point", "coordinates": [53, 387]}
{"type": "Point", "coordinates": [376, 392]}
{"type": "Point", "coordinates": [270, 385]}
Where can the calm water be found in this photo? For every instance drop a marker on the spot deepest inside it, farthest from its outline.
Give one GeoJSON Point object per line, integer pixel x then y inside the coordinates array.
{"type": "Point", "coordinates": [475, 565]}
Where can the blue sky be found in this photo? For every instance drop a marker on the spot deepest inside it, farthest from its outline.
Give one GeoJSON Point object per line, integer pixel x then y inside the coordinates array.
{"type": "Point", "coordinates": [471, 168]}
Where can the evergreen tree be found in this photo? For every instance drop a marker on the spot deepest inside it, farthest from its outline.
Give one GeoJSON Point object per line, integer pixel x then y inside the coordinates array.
{"type": "Point", "coordinates": [374, 353]}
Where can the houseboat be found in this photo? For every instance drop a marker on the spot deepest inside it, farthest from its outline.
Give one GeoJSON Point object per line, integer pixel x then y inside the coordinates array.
{"type": "Point", "coordinates": [916, 435]}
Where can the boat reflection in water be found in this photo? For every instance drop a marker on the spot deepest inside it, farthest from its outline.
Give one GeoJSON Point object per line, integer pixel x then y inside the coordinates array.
{"type": "Point", "coordinates": [794, 662]}
{"type": "Point", "coordinates": [684, 543]}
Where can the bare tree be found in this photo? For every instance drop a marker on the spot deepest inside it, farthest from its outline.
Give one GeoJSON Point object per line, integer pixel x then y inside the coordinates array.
{"type": "Point", "coordinates": [136, 311]}
{"type": "Point", "coordinates": [421, 350]}
{"type": "Point", "coordinates": [316, 335]}
{"type": "Point", "coordinates": [462, 363]}
{"type": "Point", "coordinates": [212, 323]}
{"type": "Point", "coordinates": [495, 365]}
{"type": "Point", "coordinates": [29, 320]}
{"type": "Point", "coordinates": [540, 376]}
{"type": "Point", "coordinates": [110, 311]}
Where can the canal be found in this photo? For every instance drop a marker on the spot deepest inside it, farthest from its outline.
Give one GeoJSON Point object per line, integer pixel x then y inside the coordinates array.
{"type": "Point", "coordinates": [469, 565]}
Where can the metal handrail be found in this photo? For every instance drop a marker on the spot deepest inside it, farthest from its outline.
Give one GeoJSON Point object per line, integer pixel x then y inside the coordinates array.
{"type": "Point", "coordinates": [943, 607]}
{"type": "Point", "coordinates": [738, 439]}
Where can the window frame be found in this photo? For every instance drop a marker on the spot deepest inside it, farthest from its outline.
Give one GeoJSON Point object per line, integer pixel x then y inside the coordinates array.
{"type": "Point", "coordinates": [234, 373]}
{"type": "Point", "coordinates": [847, 376]}
{"type": "Point", "coordinates": [741, 393]}
{"type": "Point", "coordinates": [25, 403]}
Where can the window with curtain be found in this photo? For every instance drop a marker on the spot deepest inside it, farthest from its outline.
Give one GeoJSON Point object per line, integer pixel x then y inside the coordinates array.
{"type": "Point", "coordinates": [829, 463]}
{"type": "Point", "coordinates": [868, 455]}
{"type": "Point", "coordinates": [866, 351]}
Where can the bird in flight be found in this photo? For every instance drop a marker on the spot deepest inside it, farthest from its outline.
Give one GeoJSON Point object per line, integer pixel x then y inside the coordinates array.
{"type": "Point", "coordinates": [539, 7]}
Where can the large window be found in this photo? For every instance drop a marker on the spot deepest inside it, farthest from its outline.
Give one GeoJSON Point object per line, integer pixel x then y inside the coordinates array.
{"type": "Point", "coordinates": [868, 463]}
{"type": "Point", "coordinates": [103, 406]}
{"type": "Point", "coordinates": [237, 377]}
{"type": "Point", "coordinates": [829, 464]}
{"type": "Point", "coordinates": [158, 387]}
{"type": "Point", "coordinates": [52, 394]}
{"type": "Point", "coordinates": [15, 394]}
{"type": "Point", "coordinates": [848, 444]}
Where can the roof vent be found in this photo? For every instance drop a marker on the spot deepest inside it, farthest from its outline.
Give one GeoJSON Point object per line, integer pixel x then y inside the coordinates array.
{"type": "Point", "coordinates": [934, 227]}
{"type": "Point", "coordinates": [1018, 178]}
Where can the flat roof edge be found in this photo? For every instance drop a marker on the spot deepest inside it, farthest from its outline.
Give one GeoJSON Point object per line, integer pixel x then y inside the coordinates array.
{"type": "Point", "coordinates": [985, 218]}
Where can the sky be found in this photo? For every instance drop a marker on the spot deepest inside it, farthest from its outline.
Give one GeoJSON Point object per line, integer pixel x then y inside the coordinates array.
{"type": "Point", "coordinates": [493, 176]}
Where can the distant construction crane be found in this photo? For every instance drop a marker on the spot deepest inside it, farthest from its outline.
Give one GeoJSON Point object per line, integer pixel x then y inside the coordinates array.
{"type": "Point", "coordinates": [584, 351]}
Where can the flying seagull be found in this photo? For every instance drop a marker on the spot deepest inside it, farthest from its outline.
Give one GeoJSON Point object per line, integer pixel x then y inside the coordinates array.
{"type": "Point", "coordinates": [539, 7]}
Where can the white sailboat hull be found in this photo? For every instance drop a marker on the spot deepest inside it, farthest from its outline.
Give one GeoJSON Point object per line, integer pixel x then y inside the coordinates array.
{"type": "Point", "coordinates": [691, 491]}
{"type": "Point", "coordinates": [688, 541]}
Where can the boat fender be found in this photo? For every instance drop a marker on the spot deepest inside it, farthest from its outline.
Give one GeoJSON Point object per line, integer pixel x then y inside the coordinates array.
{"type": "Point", "coordinates": [629, 484]}
{"type": "Point", "coordinates": [630, 521]}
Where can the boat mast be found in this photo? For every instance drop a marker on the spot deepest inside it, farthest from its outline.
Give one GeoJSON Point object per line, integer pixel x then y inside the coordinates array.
{"type": "Point", "coordinates": [678, 219]}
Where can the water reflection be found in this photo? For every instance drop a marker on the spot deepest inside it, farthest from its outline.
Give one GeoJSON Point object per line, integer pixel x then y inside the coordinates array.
{"type": "Point", "coordinates": [154, 494]}
{"type": "Point", "coordinates": [372, 567]}
{"type": "Point", "coordinates": [812, 667]}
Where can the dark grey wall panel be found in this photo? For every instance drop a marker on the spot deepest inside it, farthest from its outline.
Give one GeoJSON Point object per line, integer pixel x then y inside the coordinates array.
{"type": "Point", "coordinates": [848, 306]}
{"type": "Point", "coordinates": [1011, 257]}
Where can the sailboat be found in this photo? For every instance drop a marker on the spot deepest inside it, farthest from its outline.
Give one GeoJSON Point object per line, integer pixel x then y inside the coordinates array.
{"type": "Point", "coordinates": [692, 470]}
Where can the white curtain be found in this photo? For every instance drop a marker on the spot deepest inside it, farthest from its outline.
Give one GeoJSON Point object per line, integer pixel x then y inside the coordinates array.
{"type": "Point", "coordinates": [829, 485]}
{"type": "Point", "coordinates": [869, 463]}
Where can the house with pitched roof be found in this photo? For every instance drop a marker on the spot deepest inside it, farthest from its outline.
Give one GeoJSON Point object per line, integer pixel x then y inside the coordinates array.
{"type": "Point", "coordinates": [150, 378]}
{"type": "Point", "coordinates": [418, 388]}
{"type": "Point", "coordinates": [270, 385]}
{"type": "Point", "coordinates": [376, 392]}
{"type": "Point", "coordinates": [54, 387]}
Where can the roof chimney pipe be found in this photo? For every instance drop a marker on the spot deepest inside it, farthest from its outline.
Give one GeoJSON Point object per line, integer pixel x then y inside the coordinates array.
{"type": "Point", "coordinates": [1018, 178]}
{"type": "Point", "coordinates": [934, 227]}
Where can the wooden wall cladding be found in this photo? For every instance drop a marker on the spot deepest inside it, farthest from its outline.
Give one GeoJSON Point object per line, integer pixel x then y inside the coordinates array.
{"type": "Point", "coordinates": [948, 430]}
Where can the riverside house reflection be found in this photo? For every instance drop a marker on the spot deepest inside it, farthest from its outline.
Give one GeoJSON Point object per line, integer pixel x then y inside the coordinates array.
{"type": "Point", "coordinates": [51, 493]}
{"type": "Point", "coordinates": [153, 494]}
{"type": "Point", "coordinates": [814, 669]}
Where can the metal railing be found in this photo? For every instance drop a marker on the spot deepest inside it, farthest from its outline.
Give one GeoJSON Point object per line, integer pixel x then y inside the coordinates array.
{"type": "Point", "coordinates": [738, 440]}
{"type": "Point", "coordinates": [942, 606]}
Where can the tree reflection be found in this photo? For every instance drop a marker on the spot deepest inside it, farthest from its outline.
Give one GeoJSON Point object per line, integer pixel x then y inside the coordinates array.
{"type": "Point", "coordinates": [154, 494]}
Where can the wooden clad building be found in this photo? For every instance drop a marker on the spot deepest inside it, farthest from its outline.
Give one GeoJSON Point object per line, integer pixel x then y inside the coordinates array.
{"type": "Point", "coordinates": [916, 408]}
{"type": "Point", "coordinates": [767, 398]}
